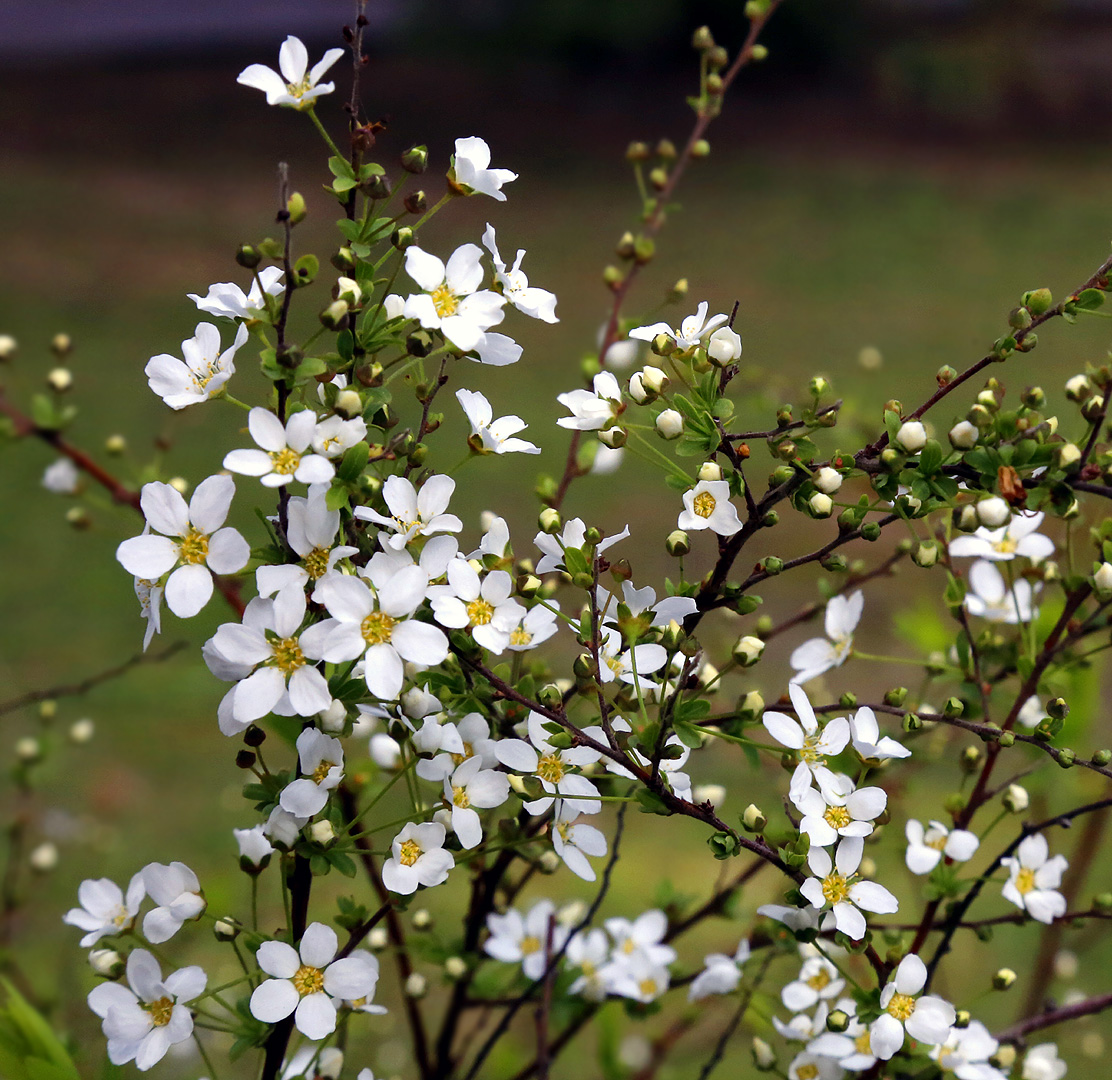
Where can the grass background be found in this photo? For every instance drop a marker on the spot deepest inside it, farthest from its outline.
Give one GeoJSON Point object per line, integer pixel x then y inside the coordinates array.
{"type": "Point", "coordinates": [829, 244]}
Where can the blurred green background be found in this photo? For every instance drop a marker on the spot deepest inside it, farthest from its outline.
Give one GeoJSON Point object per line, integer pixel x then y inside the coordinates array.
{"type": "Point", "coordinates": [892, 178]}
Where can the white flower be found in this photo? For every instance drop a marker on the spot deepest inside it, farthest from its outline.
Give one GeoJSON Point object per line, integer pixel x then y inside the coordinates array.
{"type": "Point", "coordinates": [308, 982]}
{"type": "Point", "coordinates": [297, 85]}
{"type": "Point", "coordinates": [642, 600]}
{"type": "Point", "coordinates": [925, 849]}
{"type": "Point", "coordinates": [490, 435]}
{"type": "Point", "coordinates": [990, 598]}
{"type": "Point", "coordinates": [228, 300]}
{"type": "Point", "coordinates": [669, 424]}
{"type": "Point", "coordinates": [1032, 712]}
{"type": "Point", "coordinates": [818, 980]}
{"type": "Point", "coordinates": [720, 975]}
{"type": "Point", "coordinates": [534, 302]}
{"type": "Point", "coordinates": [966, 1053]}
{"type": "Point", "coordinates": [484, 606]}
{"type": "Point", "coordinates": [1017, 538]}
{"type": "Point", "coordinates": [812, 745]}
{"type": "Point", "coordinates": [828, 815]}
{"type": "Point", "coordinates": [926, 1019]}
{"type": "Point", "coordinates": [365, 1003]}
{"type": "Point", "coordinates": [149, 594]}
{"type": "Point", "coordinates": [335, 435]}
{"type": "Point", "coordinates": [574, 842]}
{"type": "Point", "coordinates": [835, 883]}
{"type": "Point", "coordinates": [1102, 579]}
{"type": "Point", "coordinates": [278, 659]}
{"type": "Point", "coordinates": [912, 436]}
{"type": "Point", "coordinates": [819, 655]}
{"type": "Point", "coordinates": [629, 665]}
{"type": "Point", "coordinates": [61, 477]}
{"type": "Point", "coordinates": [283, 455]}
{"type": "Point", "coordinates": [472, 786]}
{"type": "Point", "coordinates": [827, 480]}
{"type": "Point", "coordinates": [574, 535]}
{"type": "Point", "coordinates": [322, 766]}
{"type": "Point", "coordinates": [641, 937]}
{"type": "Point", "coordinates": [867, 740]}
{"type": "Point", "coordinates": [453, 744]}
{"type": "Point", "coordinates": [1034, 878]}
{"type": "Point", "coordinates": [283, 828]}
{"type": "Point", "coordinates": [414, 513]}
{"type": "Point", "coordinates": [607, 460]}
{"type": "Point", "coordinates": [724, 345]}
{"type": "Point", "coordinates": [452, 301]}
{"type": "Point", "coordinates": [536, 626]}
{"type": "Point", "coordinates": [588, 951]}
{"type": "Point", "coordinates": [552, 767]}
{"type": "Point", "coordinates": [378, 626]}
{"type": "Point", "coordinates": [254, 848]}
{"type": "Point", "coordinates": [516, 939]}
{"type": "Point", "coordinates": [177, 892]}
{"type": "Point", "coordinates": [1042, 1063]}
{"type": "Point", "coordinates": [638, 977]}
{"type": "Point", "coordinates": [203, 372]}
{"type": "Point", "coordinates": [417, 858]}
{"type": "Point", "coordinates": [471, 164]}
{"type": "Point", "coordinates": [691, 330]}
{"type": "Point", "coordinates": [104, 908]}
{"type": "Point", "coordinates": [851, 1049]}
{"type": "Point", "coordinates": [809, 1066]}
{"type": "Point", "coordinates": [707, 506]}
{"type": "Point", "coordinates": [141, 1024]}
{"type": "Point", "coordinates": [192, 537]}
{"type": "Point", "coordinates": [592, 409]}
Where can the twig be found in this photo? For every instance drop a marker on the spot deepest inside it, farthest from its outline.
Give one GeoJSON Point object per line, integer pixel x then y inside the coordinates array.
{"type": "Point", "coordinates": [1017, 1032]}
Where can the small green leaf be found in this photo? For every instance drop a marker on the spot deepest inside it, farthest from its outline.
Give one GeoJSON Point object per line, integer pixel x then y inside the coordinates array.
{"type": "Point", "coordinates": [354, 462]}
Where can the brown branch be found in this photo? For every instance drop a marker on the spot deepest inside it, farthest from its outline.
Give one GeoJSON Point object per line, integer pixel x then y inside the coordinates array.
{"type": "Point", "coordinates": [1018, 1032]}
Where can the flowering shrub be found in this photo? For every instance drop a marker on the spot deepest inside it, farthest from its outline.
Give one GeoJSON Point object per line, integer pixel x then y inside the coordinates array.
{"type": "Point", "coordinates": [388, 647]}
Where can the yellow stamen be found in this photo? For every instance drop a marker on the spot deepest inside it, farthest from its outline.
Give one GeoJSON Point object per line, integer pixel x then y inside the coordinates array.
{"type": "Point", "coordinates": [837, 817]}
{"type": "Point", "coordinates": [160, 1011]}
{"type": "Point", "coordinates": [460, 798]}
{"type": "Point", "coordinates": [901, 1006]}
{"type": "Point", "coordinates": [445, 301]}
{"type": "Point", "coordinates": [703, 504]}
{"type": "Point", "coordinates": [835, 887]}
{"type": "Point", "coordinates": [529, 944]}
{"type": "Point", "coordinates": [551, 768]}
{"type": "Point", "coordinates": [480, 612]}
{"type": "Point", "coordinates": [288, 655]}
{"type": "Point", "coordinates": [285, 461]}
{"type": "Point", "coordinates": [321, 772]}
{"type": "Point", "coordinates": [410, 852]}
{"type": "Point", "coordinates": [308, 980]}
{"type": "Point", "coordinates": [193, 547]}
{"type": "Point", "coordinates": [316, 563]}
{"type": "Point", "coordinates": [1025, 881]}
{"type": "Point", "coordinates": [377, 628]}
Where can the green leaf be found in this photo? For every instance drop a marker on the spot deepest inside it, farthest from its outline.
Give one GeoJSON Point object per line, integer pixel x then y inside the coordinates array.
{"type": "Point", "coordinates": [339, 166]}
{"type": "Point", "coordinates": [930, 458]}
{"type": "Point", "coordinates": [342, 862]}
{"type": "Point", "coordinates": [345, 345]}
{"type": "Point", "coordinates": [342, 184]}
{"type": "Point", "coordinates": [688, 734]}
{"type": "Point", "coordinates": [576, 561]}
{"type": "Point", "coordinates": [1088, 300]}
{"type": "Point", "coordinates": [29, 1048]}
{"type": "Point", "coordinates": [43, 413]}
{"type": "Point", "coordinates": [354, 462]}
{"type": "Point", "coordinates": [337, 498]}
{"type": "Point", "coordinates": [309, 368]}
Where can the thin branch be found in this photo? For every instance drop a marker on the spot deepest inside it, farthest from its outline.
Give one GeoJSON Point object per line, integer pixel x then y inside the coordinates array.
{"type": "Point", "coordinates": [1018, 1032]}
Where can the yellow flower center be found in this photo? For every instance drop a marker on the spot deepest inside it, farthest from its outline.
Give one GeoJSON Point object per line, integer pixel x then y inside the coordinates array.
{"type": "Point", "coordinates": [322, 771]}
{"type": "Point", "coordinates": [308, 980]}
{"type": "Point", "coordinates": [628, 946]}
{"type": "Point", "coordinates": [1007, 546]}
{"type": "Point", "coordinates": [703, 504]}
{"type": "Point", "coordinates": [122, 919]}
{"type": "Point", "coordinates": [285, 461]}
{"type": "Point", "coordinates": [193, 547]}
{"type": "Point", "coordinates": [410, 852]}
{"type": "Point", "coordinates": [205, 375]}
{"type": "Point", "coordinates": [1025, 881]}
{"type": "Point", "coordinates": [810, 750]}
{"type": "Point", "coordinates": [530, 944]}
{"type": "Point", "coordinates": [862, 1045]}
{"type": "Point", "coordinates": [901, 1006]}
{"type": "Point", "coordinates": [938, 843]}
{"type": "Point", "coordinates": [460, 798]}
{"type": "Point", "coordinates": [820, 980]}
{"type": "Point", "coordinates": [160, 1011]}
{"type": "Point", "coordinates": [835, 887]}
{"type": "Point", "coordinates": [288, 655]}
{"type": "Point", "coordinates": [837, 817]}
{"type": "Point", "coordinates": [647, 987]}
{"type": "Point", "coordinates": [480, 612]}
{"type": "Point", "coordinates": [377, 628]}
{"type": "Point", "coordinates": [551, 768]}
{"type": "Point", "coordinates": [807, 1072]}
{"type": "Point", "coordinates": [459, 759]}
{"type": "Point", "coordinates": [445, 301]}
{"type": "Point", "coordinates": [520, 636]}
{"type": "Point", "coordinates": [614, 663]}
{"type": "Point", "coordinates": [316, 563]}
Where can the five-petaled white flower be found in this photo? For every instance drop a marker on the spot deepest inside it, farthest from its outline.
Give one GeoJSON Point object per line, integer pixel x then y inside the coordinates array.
{"type": "Point", "coordinates": [452, 301]}
{"type": "Point", "coordinates": [471, 165]}
{"type": "Point", "coordinates": [828, 815]}
{"type": "Point", "coordinates": [417, 857]}
{"type": "Point", "coordinates": [867, 740]}
{"type": "Point", "coordinates": [574, 535]}
{"type": "Point", "coordinates": [592, 409]}
{"type": "Point", "coordinates": [1034, 878]}
{"type": "Point", "coordinates": [517, 939]}
{"type": "Point", "coordinates": [192, 540]}
{"type": "Point", "coordinates": [966, 1053]}
{"type": "Point", "coordinates": [203, 372]}
{"type": "Point", "coordinates": [469, 789]}
{"type": "Point", "coordinates": [819, 655]}
{"type": "Point", "coordinates": [836, 883]}
{"type": "Point", "coordinates": [297, 86]}
{"type": "Point", "coordinates": [537, 303]}
{"type": "Point", "coordinates": [322, 766]}
{"type": "Point", "coordinates": [484, 606]}
{"type": "Point", "coordinates": [1017, 538]}
{"type": "Point", "coordinates": [707, 506]}
{"type": "Point", "coordinates": [177, 892]}
{"type": "Point", "coordinates": [414, 513]}
{"type": "Point", "coordinates": [812, 744]}
{"type": "Point", "coordinates": [308, 982]}
{"type": "Point", "coordinates": [691, 330]}
{"type": "Point", "coordinates": [925, 848]}
{"type": "Point", "coordinates": [643, 936]}
{"type": "Point", "coordinates": [536, 626]}
{"type": "Point", "coordinates": [284, 453]}
{"type": "Point", "coordinates": [720, 975]}
{"type": "Point", "coordinates": [1043, 1063]}
{"type": "Point", "coordinates": [990, 598]}
{"type": "Point", "coordinates": [490, 436]}
{"type": "Point", "coordinates": [629, 665]}
{"type": "Point", "coordinates": [104, 908]}
{"type": "Point", "coordinates": [926, 1019]}
{"type": "Point", "coordinates": [228, 300]}
{"type": "Point", "coordinates": [574, 841]}
{"type": "Point", "coordinates": [142, 1023]}
{"type": "Point", "coordinates": [552, 766]}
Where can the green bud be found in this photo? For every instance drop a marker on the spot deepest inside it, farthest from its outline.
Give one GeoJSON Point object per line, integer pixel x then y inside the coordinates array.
{"type": "Point", "coordinates": [416, 202]}
{"type": "Point", "coordinates": [343, 260]}
{"type": "Point", "coordinates": [747, 651]}
{"type": "Point", "coordinates": [700, 148]}
{"type": "Point", "coordinates": [584, 666]}
{"type": "Point", "coordinates": [834, 564]}
{"type": "Point", "coordinates": [1003, 979]}
{"type": "Point", "coordinates": [637, 151]}
{"type": "Point", "coordinates": [945, 375]}
{"type": "Point", "coordinates": [334, 314]}
{"type": "Point", "coordinates": [666, 150]}
{"type": "Point", "coordinates": [837, 1021]}
{"type": "Point", "coordinates": [1102, 902]}
{"type": "Point", "coordinates": [954, 804]}
{"type": "Point", "coordinates": [248, 257]}
{"type": "Point", "coordinates": [1006, 739]}
{"type": "Point", "coordinates": [911, 722]}
{"type": "Point", "coordinates": [753, 819]}
{"type": "Point", "coordinates": [1058, 708]}
{"type": "Point", "coordinates": [770, 520]}
{"type": "Point", "coordinates": [1019, 318]}
{"type": "Point", "coordinates": [925, 554]}
{"type": "Point", "coordinates": [715, 84]}
{"type": "Point", "coordinates": [1034, 397]}
{"type": "Point", "coordinates": [658, 177]}
{"type": "Point", "coordinates": [415, 160]}
{"type": "Point", "coordinates": [295, 205]}
{"type": "Point", "coordinates": [678, 543]}
{"type": "Point", "coordinates": [550, 521]}
{"type": "Point", "coordinates": [550, 696]}
{"type": "Point", "coordinates": [1038, 301]}
{"type": "Point", "coordinates": [1066, 758]}
{"type": "Point", "coordinates": [528, 585]}
{"type": "Point", "coordinates": [848, 700]}
{"type": "Point", "coordinates": [1030, 340]}
{"type": "Point", "coordinates": [677, 292]}
{"type": "Point", "coordinates": [759, 52]}
{"type": "Point", "coordinates": [403, 237]}
{"type": "Point", "coordinates": [1102, 758]}
{"type": "Point", "coordinates": [772, 565]}
{"type": "Point", "coordinates": [896, 697]}
{"type": "Point", "coordinates": [702, 39]}
{"type": "Point", "coordinates": [870, 531]}
{"type": "Point", "coordinates": [419, 343]}
{"type": "Point", "coordinates": [663, 345]}
{"type": "Point", "coordinates": [970, 759]}
{"type": "Point", "coordinates": [643, 250]}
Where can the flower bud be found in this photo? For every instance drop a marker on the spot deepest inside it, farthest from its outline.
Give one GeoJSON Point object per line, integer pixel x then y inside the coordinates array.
{"type": "Point", "coordinates": [993, 512]}
{"type": "Point", "coordinates": [827, 480]}
{"type": "Point", "coordinates": [771, 565]}
{"type": "Point", "coordinates": [964, 435]}
{"type": "Point", "coordinates": [1078, 388]}
{"type": "Point", "coordinates": [837, 1021]}
{"type": "Point", "coordinates": [455, 967]}
{"type": "Point", "coordinates": [225, 930]}
{"type": "Point", "coordinates": [669, 424]}
{"type": "Point", "coordinates": [43, 858]}
{"type": "Point", "coordinates": [1058, 708]}
{"type": "Point", "coordinates": [8, 347]}
{"type": "Point", "coordinates": [1101, 757]}
{"type": "Point", "coordinates": [1102, 579]}
{"type": "Point", "coordinates": [416, 986]}
{"type": "Point", "coordinates": [422, 919]}
{"type": "Point", "coordinates": [321, 832]}
{"type": "Point", "coordinates": [753, 819]}
{"type": "Point", "coordinates": [678, 291]}
{"type": "Point", "coordinates": [1003, 979]}
{"type": "Point", "coordinates": [724, 346]}
{"type": "Point", "coordinates": [700, 148]}
{"type": "Point", "coordinates": [1102, 903]}
{"type": "Point", "coordinates": [758, 52]}
{"type": "Point", "coordinates": [82, 731]}
{"type": "Point", "coordinates": [248, 257]}
{"type": "Point", "coordinates": [663, 345]}
{"type": "Point", "coordinates": [60, 380]}
{"type": "Point", "coordinates": [614, 437]}
{"type": "Point", "coordinates": [549, 862]}
{"type": "Point", "coordinates": [764, 1057]}
{"type": "Point", "coordinates": [550, 521]}
{"type": "Point", "coordinates": [61, 345]}
{"type": "Point", "coordinates": [751, 706]}
{"type": "Point", "coordinates": [748, 650]}
{"type": "Point", "coordinates": [970, 758]}
{"type": "Point", "coordinates": [334, 314]}
{"type": "Point", "coordinates": [1037, 301]}
{"type": "Point", "coordinates": [912, 436]}
{"type": "Point", "coordinates": [415, 202]}
{"type": "Point", "coordinates": [1005, 1056]}
{"type": "Point", "coordinates": [962, 1018]}
{"type": "Point", "coordinates": [28, 750]}
{"type": "Point", "coordinates": [107, 963]}
{"type": "Point", "coordinates": [1016, 799]}
{"type": "Point", "coordinates": [677, 543]}
{"type": "Point", "coordinates": [378, 939]}
{"type": "Point", "coordinates": [896, 696]}
{"type": "Point", "coordinates": [415, 160]}
{"type": "Point", "coordinates": [702, 39]}
{"type": "Point", "coordinates": [822, 506]}
{"type": "Point", "coordinates": [1069, 456]}
{"type": "Point", "coordinates": [1006, 739]}
{"type": "Point", "coordinates": [637, 151]}
{"type": "Point", "coordinates": [638, 390]}
{"type": "Point", "coordinates": [926, 554]}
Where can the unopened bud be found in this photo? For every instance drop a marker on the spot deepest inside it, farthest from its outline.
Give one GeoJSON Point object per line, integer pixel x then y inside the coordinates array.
{"type": "Point", "coordinates": [678, 291]}
{"type": "Point", "coordinates": [416, 986]}
{"type": "Point", "coordinates": [748, 650]}
{"type": "Point", "coordinates": [614, 437]}
{"type": "Point", "coordinates": [669, 424]}
{"type": "Point", "coordinates": [827, 480]}
{"type": "Point", "coordinates": [1003, 979]}
{"type": "Point", "coordinates": [334, 314]}
{"type": "Point", "coordinates": [422, 919]}
{"type": "Point", "coordinates": [993, 512]}
{"type": "Point", "coordinates": [415, 160]}
{"type": "Point", "coordinates": [28, 750]}
{"type": "Point", "coordinates": [248, 257]}
{"type": "Point", "coordinates": [321, 832]}
{"type": "Point", "coordinates": [43, 858]}
{"type": "Point", "coordinates": [637, 151]}
{"type": "Point", "coordinates": [700, 148]}
{"type": "Point", "coordinates": [403, 237]}
{"type": "Point", "coordinates": [1058, 708]}
{"type": "Point", "coordinates": [1015, 799]}
{"type": "Point", "coordinates": [295, 206]}
{"type": "Point", "coordinates": [8, 347]}
{"type": "Point", "coordinates": [455, 967]}
{"type": "Point", "coordinates": [1037, 301]}
{"type": "Point", "coordinates": [1101, 758]}
{"type": "Point", "coordinates": [912, 436]}
{"type": "Point", "coordinates": [677, 543]}
{"type": "Point", "coordinates": [107, 963]}
{"type": "Point", "coordinates": [926, 554]}
{"type": "Point", "coordinates": [378, 939]}
{"type": "Point", "coordinates": [82, 731]}
{"type": "Point", "coordinates": [549, 862]}
{"type": "Point", "coordinates": [1078, 388]}
{"type": "Point", "coordinates": [964, 435]}
{"type": "Point", "coordinates": [702, 39]}
{"type": "Point", "coordinates": [60, 380]}
{"type": "Point", "coordinates": [753, 819]}
{"type": "Point", "coordinates": [822, 506]}
{"type": "Point", "coordinates": [415, 202]}
{"type": "Point", "coordinates": [1069, 456]}
{"type": "Point", "coordinates": [837, 1021]}
{"type": "Point", "coordinates": [970, 758]}
{"type": "Point", "coordinates": [764, 1057]}
{"type": "Point", "coordinates": [715, 794]}
{"type": "Point", "coordinates": [550, 521]}
{"type": "Point", "coordinates": [663, 344]}
{"type": "Point", "coordinates": [1004, 1058]}
{"type": "Point", "coordinates": [225, 930]}
{"type": "Point", "coordinates": [61, 345]}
